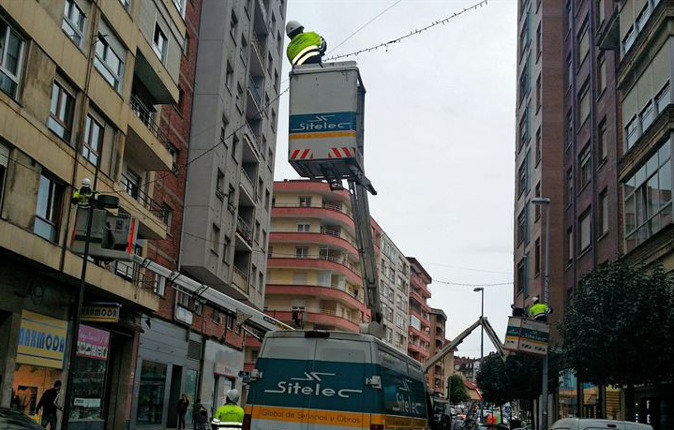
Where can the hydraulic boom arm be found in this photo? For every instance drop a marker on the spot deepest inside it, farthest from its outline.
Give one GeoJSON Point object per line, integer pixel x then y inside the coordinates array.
{"type": "Point", "coordinates": [460, 338]}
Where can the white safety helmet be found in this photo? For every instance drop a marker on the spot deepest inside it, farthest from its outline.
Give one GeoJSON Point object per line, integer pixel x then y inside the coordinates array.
{"type": "Point", "coordinates": [233, 395]}
{"type": "Point", "coordinates": [86, 183]}
{"type": "Point", "coordinates": [292, 27]}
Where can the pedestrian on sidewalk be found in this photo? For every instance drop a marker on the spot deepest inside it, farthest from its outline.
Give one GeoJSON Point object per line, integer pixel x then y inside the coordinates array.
{"type": "Point", "coordinates": [48, 404]}
{"type": "Point", "coordinates": [183, 404]}
{"type": "Point", "coordinates": [199, 415]}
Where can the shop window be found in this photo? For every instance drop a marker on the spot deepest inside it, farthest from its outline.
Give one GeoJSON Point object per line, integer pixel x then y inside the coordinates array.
{"type": "Point", "coordinates": [151, 393]}
{"type": "Point", "coordinates": [89, 374]}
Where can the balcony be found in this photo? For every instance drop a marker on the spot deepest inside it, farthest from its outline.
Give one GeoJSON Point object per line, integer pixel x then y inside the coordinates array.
{"type": "Point", "coordinates": [255, 105]}
{"type": "Point", "coordinates": [316, 291]}
{"type": "Point", "coordinates": [317, 262]}
{"type": "Point", "coordinates": [153, 74]}
{"type": "Point", "coordinates": [342, 216]}
{"type": "Point", "coordinates": [259, 63]}
{"type": "Point", "coordinates": [135, 201]}
{"type": "Point", "coordinates": [420, 286]}
{"type": "Point", "coordinates": [247, 184]}
{"type": "Point", "coordinates": [146, 142]}
{"type": "Point", "coordinates": [322, 238]}
{"type": "Point", "coordinates": [322, 319]}
{"type": "Point", "coordinates": [416, 347]}
{"type": "Point", "coordinates": [419, 333]}
{"type": "Point", "coordinates": [254, 141]}
{"type": "Point", "coordinates": [422, 301]}
{"type": "Point", "coordinates": [420, 314]}
{"type": "Point", "coordinates": [240, 280]}
{"type": "Point", "coordinates": [244, 229]}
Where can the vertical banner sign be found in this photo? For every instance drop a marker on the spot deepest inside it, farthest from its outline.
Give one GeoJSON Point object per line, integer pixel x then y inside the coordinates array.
{"type": "Point", "coordinates": [42, 340]}
{"type": "Point", "coordinates": [93, 343]}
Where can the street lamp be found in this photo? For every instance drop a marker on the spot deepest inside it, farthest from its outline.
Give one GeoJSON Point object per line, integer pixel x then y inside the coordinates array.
{"type": "Point", "coordinates": [481, 290]}
{"type": "Point", "coordinates": [544, 201]}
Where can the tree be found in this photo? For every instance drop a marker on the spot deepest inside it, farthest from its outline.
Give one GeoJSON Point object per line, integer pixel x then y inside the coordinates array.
{"type": "Point", "coordinates": [619, 327]}
{"type": "Point", "coordinates": [493, 381]}
{"type": "Point", "coordinates": [457, 391]}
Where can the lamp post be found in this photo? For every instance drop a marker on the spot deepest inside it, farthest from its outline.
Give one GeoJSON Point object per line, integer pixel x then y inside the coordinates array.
{"type": "Point", "coordinates": [544, 201]}
{"type": "Point", "coordinates": [481, 290]}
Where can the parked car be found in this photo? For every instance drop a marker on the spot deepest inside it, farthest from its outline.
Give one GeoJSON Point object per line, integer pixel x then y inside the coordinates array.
{"type": "Point", "coordinates": [594, 424]}
{"type": "Point", "coordinates": [15, 420]}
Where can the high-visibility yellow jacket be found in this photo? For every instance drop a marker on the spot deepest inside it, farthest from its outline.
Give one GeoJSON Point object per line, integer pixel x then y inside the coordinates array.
{"type": "Point", "coordinates": [304, 46]}
{"type": "Point", "coordinates": [83, 199]}
{"type": "Point", "coordinates": [229, 413]}
{"type": "Point", "coordinates": [538, 310]}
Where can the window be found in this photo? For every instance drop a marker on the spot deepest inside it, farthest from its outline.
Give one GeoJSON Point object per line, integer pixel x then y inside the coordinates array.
{"type": "Point", "coordinates": [159, 285]}
{"type": "Point", "coordinates": [400, 321]}
{"type": "Point", "coordinates": [229, 76]}
{"type": "Point", "coordinates": [643, 16]}
{"type": "Point", "coordinates": [569, 72]}
{"type": "Point", "coordinates": [584, 167]}
{"type": "Point", "coordinates": [537, 208]}
{"type": "Point", "coordinates": [303, 227]}
{"type": "Point", "coordinates": [220, 185]}
{"type": "Point", "coordinates": [256, 233]}
{"type": "Point", "coordinates": [539, 46]}
{"type": "Point", "coordinates": [601, 76]}
{"type": "Point", "coordinates": [186, 45]}
{"type": "Point", "coordinates": [524, 36]}
{"type": "Point", "coordinates": [663, 98]}
{"type": "Point", "coordinates": [631, 132]}
{"type": "Point", "coordinates": [216, 317]}
{"type": "Point", "coordinates": [602, 142]}
{"type": "Point", "coordinates": [628, 40]}
{"type": "Point", "coordinates": [569, 15]}
{"type": "Point", "coordinates": [48, 209]}
{"type": "Point", "coordinates": [569, 186]}
{"type": "Point", "coordinates": [569, 128]}
{"type": "Point", "coordinates": [601, 12]}
{"type": "Point", "coordinates": [603, 213]}
{"type": "Point", "coordinates": [648, 199]}
{"type": "Point", "coordinates": [646, 117]}
{"type": "Point", "coordinates": [538, 145]}
{"type": "Point", "coordinates": [585, 233]}
{"type": "Point", "coordinates": [538, 93]}
{"type": "Point", "coordinates": [305, 201]}
{"type": "Point", "coordinates": [61, 111]}
{"type": "Point", "coordinates": [524, 127]}
{"type": "Point", "coordinates": [74, 22]}
{"type": "Point", "coordinates": [537, 257]}
{"type": "Point", "coordinates": [522, 177]}
{"type": "Point", "coordinates": [239, 97]}
{"type": "Point", "coordinates": [225, 250]}
{"type": "Point", "coordinates": [150, 393]}
{"type": "Point", "coordinates": [235, 146]}
{"type": "Point", "coordinates": [524, 81]}
{"type": "Point", "coordinates": [159, 42]}
{"type": "Point", "coordinates": [583, 43]}
{"type": "Point", "coordinates": [230, 199]}
{"type": "Point", "coordinates": [93, 137]}
{"type": "Point", "coordinates": [4, 161]}
{"type": "Point", "coordinates": [232, 26]}
{"type": "Point", "coordinates": [167, 217]}
{"type": "Point", "coordinates": [131, 183]}
{"type": "Point", "coordinates": [569, 244]}
{"type": "Point", "coordinates": [244, 46]}
{"type": "Point", "coordinates": [523, 276]}
{"type": "Point", "coordinates": [179, 5]}
{"type": "Point", "coordinates": [215, 239]}
{"type": "Point", "coordinates": [11, 55]}
{"type": "Point", "coordinates": [584, 102]}
{"type": "Point", "coordinates": [522, 226]}
{"type": "Point", "coordinates": [301, 252]}
{"type": "Point", "coordinates": [125, 3]}
{"type": "Point", "coordinates": [181, 101]}
{"type": "Point", "coordinates": [109, 59]}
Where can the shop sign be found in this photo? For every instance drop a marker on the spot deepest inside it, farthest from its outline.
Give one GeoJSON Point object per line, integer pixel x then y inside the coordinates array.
{"type": "Point", "coordinates": [101, 312]}
{"type": "Point", "coordinates": [42, 340]}
{"type": "Point", "coordinates": [93, 343]}
{"type": "Point", "coordinates": [87, 403]}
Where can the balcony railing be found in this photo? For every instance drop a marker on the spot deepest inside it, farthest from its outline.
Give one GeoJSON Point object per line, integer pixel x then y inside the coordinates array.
{"type": "Point", "coordinates": [145, 116]}
{"type": "Point", "coordinates": [341, 260]}
{"type": "Point", "coordinates": [334, 313]}
{"type": "Point", "coordinates": [256, 138]}
{"type": "Point", "coordinates": [255, 91]}
{"type": "Point", "coordinates": [136, 192]}
{"type": "Point", "coordinates": [343, 209]}
{"type": "Point", "coordinates": [244, 229]}
{"type": "Point", "coordinates": [241, 273]}
{"type": "Point", "coordinates": [257, 47]}
{"type": "Point", "coordinates": [244, 174]}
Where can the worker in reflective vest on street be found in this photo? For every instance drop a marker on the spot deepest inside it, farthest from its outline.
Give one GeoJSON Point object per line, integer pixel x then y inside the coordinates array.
{"type": "Point", "coordinates": [304, 48]}
{"type": "Point", "coordinates": [85, 196]}
{"type": "Point", "coordinates": [230, 415]}
{"type": "Point", "coordinates": [539, 311]}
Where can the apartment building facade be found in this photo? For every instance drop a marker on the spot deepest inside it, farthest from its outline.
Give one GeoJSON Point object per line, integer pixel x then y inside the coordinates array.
{"type": "Point", "coordinates": [438, 375]}
{"type": "Point", "coordinates": [394, 286]}
{"type": "Point", "coordinates": [232, 146]}
{"type": "Point", "coordinates": [83, 84]}
{"type": "Point", "coordinates": [420, 339]}
{"type": "Point", "coordinates": [538, 152]}
{"type": "Point", "coordinates": [313, 269]}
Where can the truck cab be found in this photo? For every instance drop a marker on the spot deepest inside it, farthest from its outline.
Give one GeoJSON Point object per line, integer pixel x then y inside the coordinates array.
{"type": "Point", "coordinates": [334, 380]}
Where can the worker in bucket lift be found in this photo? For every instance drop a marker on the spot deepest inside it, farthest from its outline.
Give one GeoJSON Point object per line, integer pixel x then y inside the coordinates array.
{"type": "Point", "coordinates": [539, 311]}
{"type": "Point", "coordinates": [229, 415]}
{"type": "Point", "coordinates": [304, 48]}
{"type": "Point", "coordinates": [85, 196]}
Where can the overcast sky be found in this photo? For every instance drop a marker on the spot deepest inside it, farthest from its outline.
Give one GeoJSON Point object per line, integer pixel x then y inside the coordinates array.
{"type": "Point", "coordinates": [439, 139]}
